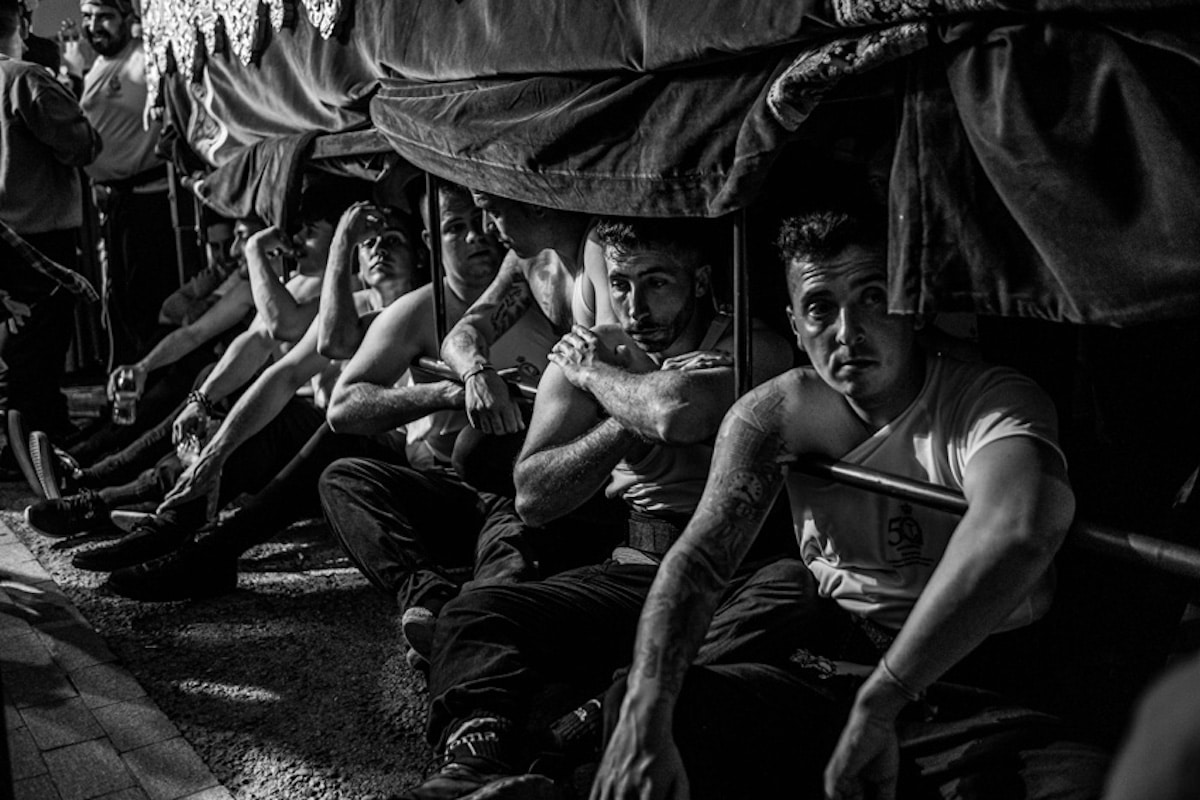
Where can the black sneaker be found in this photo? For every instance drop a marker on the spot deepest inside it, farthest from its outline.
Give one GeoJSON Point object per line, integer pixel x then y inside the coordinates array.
{"type": "Point", "coordinates": [192, 572]}
{"type": "Point", "coordinates": [150, 539]}
{"type": "Point", "coordinates": [474, 757]}
{"type": "Point", "coordinates": [67, 516]}
{"type": "Point", "coordinates": [454, 780]}
{"type": "Point", "coordinates": [55, 469]}
{"type": "Point", "coordinates": [18, 445]}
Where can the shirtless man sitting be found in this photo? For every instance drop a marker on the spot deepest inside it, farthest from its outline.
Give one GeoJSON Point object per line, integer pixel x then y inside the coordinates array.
{"type": "Point", "coordinates": [269, 424]}
{"type": "Point", "coordinates": [414, 529]}
{"type": "Point", "coordinates": [555, 268]}
{"type": "Point", "coordinates": [631, 407]}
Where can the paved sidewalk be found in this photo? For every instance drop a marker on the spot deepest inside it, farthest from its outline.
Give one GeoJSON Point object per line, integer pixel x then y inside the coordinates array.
{"type": "Point", "coordinates": [78, 725]}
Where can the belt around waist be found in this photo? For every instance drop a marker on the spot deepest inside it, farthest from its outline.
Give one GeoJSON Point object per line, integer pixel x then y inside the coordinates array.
{"type": "Point", "coordinates": [134, 181]}
{"type": "Point", "coordinates": [653, 534]}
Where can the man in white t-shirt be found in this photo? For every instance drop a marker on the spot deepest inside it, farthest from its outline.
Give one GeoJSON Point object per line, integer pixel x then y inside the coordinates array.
{"type": "Point", "coordinates": [906, 597]}
{"type": "Point", "coordinates": [130, 177]}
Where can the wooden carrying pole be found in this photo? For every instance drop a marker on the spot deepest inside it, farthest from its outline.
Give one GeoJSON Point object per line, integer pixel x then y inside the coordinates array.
{"type": "Point", "coordinates": [1149, 551]}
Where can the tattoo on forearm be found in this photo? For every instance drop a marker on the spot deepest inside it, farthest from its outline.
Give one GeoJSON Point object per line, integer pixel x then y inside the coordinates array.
{"type": "Point", "coordinates": [747, 475]}
{"type": "Point", "coordinates": [511, 306]}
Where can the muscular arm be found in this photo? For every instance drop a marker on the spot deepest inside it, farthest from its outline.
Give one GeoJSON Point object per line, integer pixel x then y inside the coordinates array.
{"type": "Point", "coordinates": [675, 406]}
{"type": "Point", "coordinates": [240, 362]}
{"type": "Point", "coordinates": [468, 343]}
{"type": "Point", "coordinates": [340, 329]}
{"type": "Point", "coordinates": [230, 309]}
{"type": "Point", "coordinates": [468, 346]}
{"type": "Point", "coordinates": [286, 309]}
{"type": "Point", "coordinates": [366, 399]}
{"type": "Point", "coordinates": [257, 406]}
{"type": "Point", "coordinates": [747, 474]}
{"type": "Point", "coordinates": [1019, 509]}
{"type": "Point", "coordinates": [569, 452]}
{"type": "Point", "coordinates": [267, 396]}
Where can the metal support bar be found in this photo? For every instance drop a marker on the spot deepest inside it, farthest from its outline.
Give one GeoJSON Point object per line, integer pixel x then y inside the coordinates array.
{"type": "Point", "coordinates": [177, 223]}
{"type": "Point", "coordinates": [433, 208]}
{"type": "Point", "coordinates": [742, 351]}
{"type": "Point", "coordinates": [440, 369]}
{"type": "Point", "coordinates": [1148, 551]}
{"type": "Point", "coordinates": [349, 143]}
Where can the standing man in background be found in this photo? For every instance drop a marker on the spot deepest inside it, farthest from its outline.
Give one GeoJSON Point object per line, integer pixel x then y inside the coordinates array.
{"type": "Point", "coordinates": [44, 138]}
{"type": "Point", "coordinates": [130, 177]}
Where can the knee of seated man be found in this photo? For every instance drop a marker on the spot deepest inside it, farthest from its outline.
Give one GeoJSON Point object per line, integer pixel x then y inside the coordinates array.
{"type": "Point", "coordinates": [485, 461]}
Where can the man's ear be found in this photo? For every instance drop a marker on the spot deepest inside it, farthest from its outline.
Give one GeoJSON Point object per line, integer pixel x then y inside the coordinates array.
{"type": "Point", "coordinates": [791, 318]}
{"type": "Point", "coordinates": [426, 238]}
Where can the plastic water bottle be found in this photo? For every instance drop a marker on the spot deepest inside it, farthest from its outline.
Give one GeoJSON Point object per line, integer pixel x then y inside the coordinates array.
{"type": "Point", "coordinates": [125, 396]}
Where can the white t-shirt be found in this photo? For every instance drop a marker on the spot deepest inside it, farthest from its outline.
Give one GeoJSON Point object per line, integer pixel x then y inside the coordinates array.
{"type": "Point", "coordinates": [874, 554]}
{"type": "Point", "coordinates": [114, 100]}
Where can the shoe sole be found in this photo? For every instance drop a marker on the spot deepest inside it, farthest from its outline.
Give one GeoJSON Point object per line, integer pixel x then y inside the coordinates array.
{"type": "Point", "coordinates": [41, 453]}
{"type": "Point", "coordinates": [18, 442]}
{"type": "Point", "coordinates": [519, 787]}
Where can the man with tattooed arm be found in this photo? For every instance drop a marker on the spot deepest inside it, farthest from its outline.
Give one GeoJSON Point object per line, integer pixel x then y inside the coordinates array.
{"type": "Point", "coordinates": [629, 410]}
{"type": "Point", "coordinates": [918, 659]}
{"type": "Point", "coordinates": [555, 269]}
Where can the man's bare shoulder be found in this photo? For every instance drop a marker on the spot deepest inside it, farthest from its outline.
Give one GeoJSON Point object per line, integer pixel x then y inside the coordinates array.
{"type": "Point", "coordinates": [412, 314]}
{"type": "Point", "coordinates": [304, 287]}
{"type": "Point", "coordinates": [801, 409]}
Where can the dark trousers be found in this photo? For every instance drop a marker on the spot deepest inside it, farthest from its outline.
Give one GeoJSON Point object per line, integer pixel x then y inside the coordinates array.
{"type": "Point", "coordinates": [131, 461]}
{"type": "Point", "coordinates": [258, 460]}
{"type": "Point", "coordinates": [418, 534]}
{"type": "Point", "coordinates": [142, 267]}
{"type": "Point", "coordinates": [766, 727]}
{"type": "Point", "coordinates": [166, 390]}
{"type": "Point", "coordinates": [34, 355]}
{"type": "Point", "coordinates": [248, 469]}
{"type": "Point", "coordinates": [291, 495]}
{"type": "Point", "coordinates": [496, 648]}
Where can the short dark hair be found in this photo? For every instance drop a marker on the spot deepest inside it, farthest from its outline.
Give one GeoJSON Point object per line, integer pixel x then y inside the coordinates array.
{"type": "Point", "coordinates": [690, 239]}
{"type": "Point", "coordinates": [446, 190]}
{"type": "Point", "coordinates": [398, 219]}
{"type": "Point", "coordinates": [819, 235]}
{"type": "Point", "coordinates": [10, 18]}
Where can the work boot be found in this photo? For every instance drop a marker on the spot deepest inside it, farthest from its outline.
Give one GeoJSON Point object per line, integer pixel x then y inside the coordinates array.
{"type": "Point", "coordinates": [67, 516]}
{"type": "Point", "coordinates": [193, 572]}
{"type": "Point", "coordinates": [148, 540]}
{"type": "Point", "coordinates": [475, 755]}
